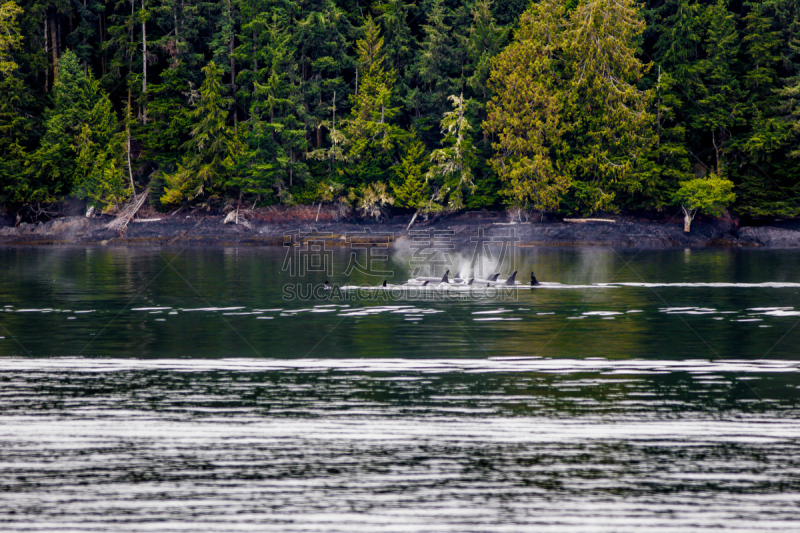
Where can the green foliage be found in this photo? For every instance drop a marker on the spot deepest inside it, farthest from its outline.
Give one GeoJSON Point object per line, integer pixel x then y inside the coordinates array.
{"type": "Point", "coordinates": [209, 162]}
{"type": "Point", "coordinates": [711, 195]}
{"type": "Point", "coordinates": [100, 174]}
{"type": "Point", "coordinates": [582, 107]}
{"type": "Point", "coordinates": [10, 38]}
{"type": "Point", "coordinates": [452, 165]}
{"type": "Point", "coordinates": [570, 121]}
{"type": "Point", "coordinates": [52, 171]}
{"type": "Point", "coordinates": [411, 189]}
{"type": "Point", "coordinates": [372, 200]}
{"type": "Point", "coordinates": [372, 138]}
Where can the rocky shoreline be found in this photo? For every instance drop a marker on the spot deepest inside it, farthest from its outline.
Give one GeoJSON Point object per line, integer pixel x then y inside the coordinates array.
{"type": "Point", "coordinates": [262, 229]}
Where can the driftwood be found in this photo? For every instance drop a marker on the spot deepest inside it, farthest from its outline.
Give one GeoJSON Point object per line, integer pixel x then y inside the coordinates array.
{"type": "Point", "coordinates": [126, 213]}
{"type": "Point", "coordinates": [233, 218]}
{"type": "Point", "coordinates": [583, 220]}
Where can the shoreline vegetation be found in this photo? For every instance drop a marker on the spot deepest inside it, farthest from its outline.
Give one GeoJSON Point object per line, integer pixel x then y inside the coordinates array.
{"type": "Point", "coordinates": [573, 112]}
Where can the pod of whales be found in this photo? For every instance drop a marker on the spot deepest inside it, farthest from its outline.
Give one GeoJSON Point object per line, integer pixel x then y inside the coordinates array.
{"type": "Point", "coordinates": [457, 280]}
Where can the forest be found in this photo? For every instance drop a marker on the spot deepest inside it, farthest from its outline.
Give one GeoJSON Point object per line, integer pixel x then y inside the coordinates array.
{"type": "Point", "coordinates": [569, 107]}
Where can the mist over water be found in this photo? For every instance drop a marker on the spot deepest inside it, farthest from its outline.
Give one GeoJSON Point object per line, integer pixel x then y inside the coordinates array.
{"type": "Point", "coordinates": [180, 390]}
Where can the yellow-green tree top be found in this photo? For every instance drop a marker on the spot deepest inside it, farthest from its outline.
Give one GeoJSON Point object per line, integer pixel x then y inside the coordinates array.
{"type": "Point", "coordinates": [568, 117]}
{"type": "Point", "coordinates": [10, 39]}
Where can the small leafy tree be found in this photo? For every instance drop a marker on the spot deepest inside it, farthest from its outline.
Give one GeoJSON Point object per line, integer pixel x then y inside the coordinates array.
{"type": "Point", "coordinates": [329, 192]}
{"type": "Point", "coordinates": [712, 195]}
{"type": "Point", "coordinates": [373, 201]}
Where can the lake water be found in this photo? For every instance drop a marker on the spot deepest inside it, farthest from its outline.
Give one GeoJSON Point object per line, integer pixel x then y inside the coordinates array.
{"type": "Point", "coordinates": [172, 389]}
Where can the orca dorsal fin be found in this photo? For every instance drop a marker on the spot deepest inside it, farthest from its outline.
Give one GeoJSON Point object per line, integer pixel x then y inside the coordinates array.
{"type": "Point", "coordinates": [445, 279]}
{"type": "Point", "coordinates": [494, 277]}
{"type": "Point", "coordinates": [511, 278]}
{"type": "Point", "coordinates": [424, 283]}
{"type": "Point", "coordinates": [470, 281]}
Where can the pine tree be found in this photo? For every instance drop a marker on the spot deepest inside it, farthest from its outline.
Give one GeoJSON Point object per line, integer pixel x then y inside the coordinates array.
{"type": "Point", "coordinates": [369, 130]}
{"type": "Point", "coordinates": [766, 182]}
{"type": "Point", "coordinates": [100, 166]}
{"type": "Point", "coordinates": [52, 171]}
{"type": "Point", "coordinates": [607, 119]}
{"type": "Point", "coordinates": [400, 43]}
{"type": "Point", "coordinates": [10, 38]}
{"type": "Point", "coordinates": [86, 30]}
{"type": "Point", "coordinates": [15, 128]}
{"type": "Point", "coordinates": [720, 96]}
{"type": "Point", "coordinates": [323, 40]}
{"type": "Point", "coordinates": [523, 114]}
{"type": "Point", "coordinates": [412, 189]}
{"type": "Point", "coordinates": [211, 152]}
{"type": "Point", "coordinates": [566, 110]}
{"type": "Point", "coordinates": [453, 165]}
{"type": "Point", "coordinates": [436, 61]}
{"type": "Point", "coordinates": [223, 48]}
{"type": "Point", "coordinates": [276, 133]}
{"type": "Point", "coordinates": [486, 39]}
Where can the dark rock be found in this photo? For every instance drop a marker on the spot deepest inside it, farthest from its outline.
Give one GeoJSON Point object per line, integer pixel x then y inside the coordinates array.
{"type": "Point", "coordinates": [264, 231]}
{"type": "Point", "coordinates": [769, 236]}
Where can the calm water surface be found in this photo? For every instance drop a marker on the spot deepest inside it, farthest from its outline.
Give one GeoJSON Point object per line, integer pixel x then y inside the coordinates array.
{"type": "Point", "coordinates": [182, 390]}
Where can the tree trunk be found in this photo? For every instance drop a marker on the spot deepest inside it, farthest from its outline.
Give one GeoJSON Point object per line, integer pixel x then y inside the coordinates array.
{"type": "Point", "coordinates": [54, 48]}
{"type": "Point", "coordinates": [46, 68]}
{"type": "Point", "coordinates": [412, 220]}
{"type": "Point", "coordinates": [144, 69]}
{"type": "Point", "coordinates": [102, 38]}
{"type": "Point", "coordinates": [128, 146]}
{"type": "Point", "coordinates": [233, 74]}
{"type": "Point", "coordinates": [688, 216]}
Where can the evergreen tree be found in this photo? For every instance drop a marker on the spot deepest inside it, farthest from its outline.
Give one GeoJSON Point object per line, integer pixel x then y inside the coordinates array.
{"type": "Point", "coordinates": [15, 128]}
{"type": "Point", "coordinates": [566, 109]}
{"type": "Point", "coordinates": [486, 39]}
{"type": "Point", "coordinates": [720, 96]}
{"type": "Point", "coordinates": [223, 48]}
{"type": "Point", "coordinates": [766, 178]}
{"type": "Point", "coordinates": [400, 43]}
{"type": "Point", "coordinates": [323, 40]}
{"type": "Point", "coordinates": [276, 133]}
{"type": "Point", "coordinates": [372, 137]}
{"type": "Point", "coordinates": [608, 124]}
{"type": "Point", "coordinates": [211, 153]}
{"type": "Point", "coordinates": [676, 82]}
{"type": "Point", "coordinates": [51, 174]}
{"type": "Point", "coordinates": [10, 38]}
{"type": "Point", "coordinates": [86, 29]}
{"type": "Point", "coordinates": [453, 165]}
{"type": "Point", "coordinates": [436, 61]}
{"type": "Point", "coordinates": [523, 114]}
{"type": "Point", "coordinates": [100, 166]}
{"type": "Point", "coordinates": [669, 155]}
{"type": "Point", "coordinates": [411, 189]}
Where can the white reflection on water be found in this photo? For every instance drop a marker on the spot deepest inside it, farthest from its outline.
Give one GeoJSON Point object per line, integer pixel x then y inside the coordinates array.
{"type": "Point", "coordinates": [267, 445]}
{"type": "Point", "coordinates": [492, 364]}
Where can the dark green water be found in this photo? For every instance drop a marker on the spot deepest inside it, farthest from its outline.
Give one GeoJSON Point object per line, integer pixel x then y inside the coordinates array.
{"type": "Point", "coordinates": [183, 390]}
